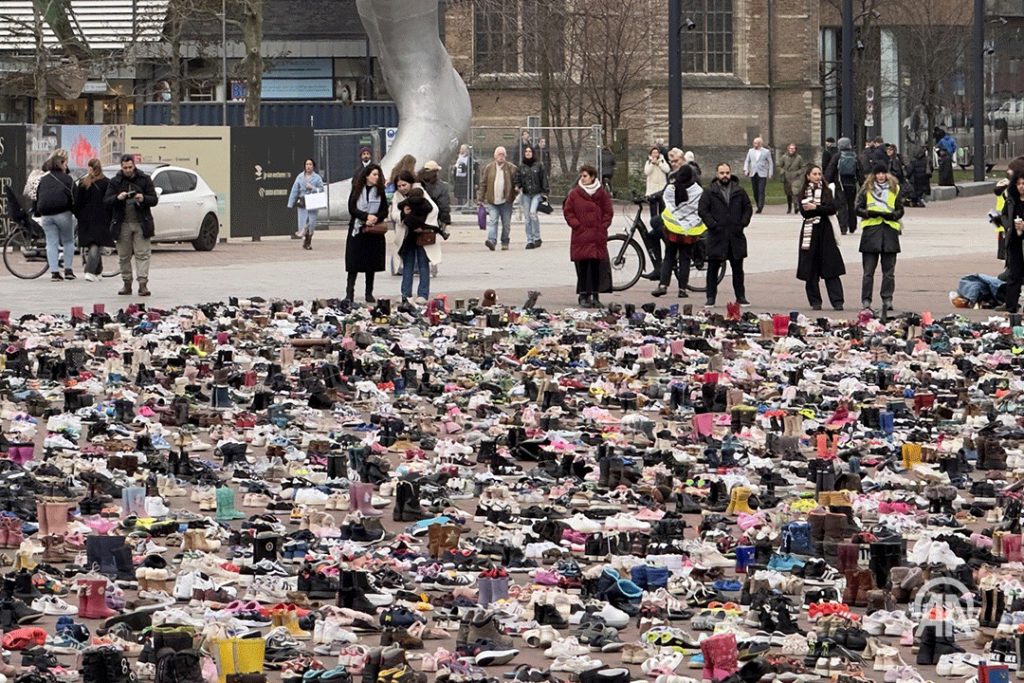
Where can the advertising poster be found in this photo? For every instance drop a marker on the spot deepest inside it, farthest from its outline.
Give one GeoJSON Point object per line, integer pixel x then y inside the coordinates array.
{"type": "Point", "coordinates": [264, 163]}
{"type": "Point", "coordinates": [12, 170]}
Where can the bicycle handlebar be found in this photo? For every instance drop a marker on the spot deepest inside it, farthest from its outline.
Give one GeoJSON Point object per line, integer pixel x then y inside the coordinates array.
{"type": "Point", "coordinates": [645, 199]}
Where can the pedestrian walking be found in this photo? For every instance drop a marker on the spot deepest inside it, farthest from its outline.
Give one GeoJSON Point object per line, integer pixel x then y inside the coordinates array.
{"type": "Point", "coordinates": [759, 167]}
{"type": "Point", "coordinates": [819, 255]}
{"type": "Point", "coordinates": [131, 196]}
{"type": "Point", "coordinates": [682, 229]}
{"type": "Point", "coordinates": [543, 154]}
{"type": "Point", "coordinates": [306, 183]}
{"type": "Point", "coordinates": [1013, 227]}
{"type": "Point", "coordinates": [93, 219]}
{"type": "Point", "coordinates": [895, 164]}
{"type": "Point", "coordinates": [656, 170]}
{"type": "Point", "coordinates": [725, 210]}
{"type": "Point", "coordinates": [846, 173]}
{"type": "Point", "coordinates": [791, 170]}
{"type": "Point", "coordinates": [55, 200]}
{"type": "Point", "coordinates": [497, 191]}
{"type": "Point", "coordinates": [588, 212]}
{"type": "Point", "coordinates": [464, 172]}
{"type": "Point", "coordinates": [879, 207]}
{"type": "Point", "coordinates": [415, 229]}
{"type": "Point", "coordinates": [365, 246]}
{"type": "Point", "coordinates": [532, 184]}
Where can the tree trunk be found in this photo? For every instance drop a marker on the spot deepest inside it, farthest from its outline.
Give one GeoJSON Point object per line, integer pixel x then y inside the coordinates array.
{"type": "Point", "coordinates": [41, 106]}
{"type": "Point", "coordinates": [174, 82]}
{"type": "Point", "coordinates": [252, 65]}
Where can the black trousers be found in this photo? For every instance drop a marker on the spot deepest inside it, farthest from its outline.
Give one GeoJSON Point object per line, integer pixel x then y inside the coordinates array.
{"type": "Point", "coordinates": [788, 189]}
{"type": "Point", "coordinates": [677, 258]}
{"type": "Point", "coordinates": [759, 183]}
{"type": "Point", "coordinates": [738, 287]}
{"type": "Point", "coordinates": [653, 238]}
{"type": "Point", "coordinates": [867, 286]}
{"type": "Point", "coordinates": [1015, 272]}
{"type": "Point", "coordinates": [834, 287]}
{"type": "Point", "coordinates": [588, 276]}
{"type": "Point", "coordinates": [351, 288]}
{"type": "Point", "coordinates": [848, 212]}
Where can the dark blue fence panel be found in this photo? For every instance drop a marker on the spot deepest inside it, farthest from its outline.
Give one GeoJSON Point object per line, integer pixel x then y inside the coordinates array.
{"type": "Point", "coordinates": [319, 115]}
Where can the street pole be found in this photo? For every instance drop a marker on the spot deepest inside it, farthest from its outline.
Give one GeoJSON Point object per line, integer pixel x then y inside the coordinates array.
{"type": "Point", "coordinates": [224, 59]}
{"type": "Point", "coordinates": [847, 127]}
{"type": "Point", "coordinates": [979, 90]}
{"type": "Point", "coordinates": [675, 74]}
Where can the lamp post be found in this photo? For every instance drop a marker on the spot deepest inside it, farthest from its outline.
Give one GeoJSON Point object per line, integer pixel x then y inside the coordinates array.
{"type": "Point", "coordinates": [675, 74]}
{"type": "Point", "coordinates": [979, 90]}
{"type": "Point", "coordinates": [847, 127]}
{"type": "Point", "coordinates": [224, 59]}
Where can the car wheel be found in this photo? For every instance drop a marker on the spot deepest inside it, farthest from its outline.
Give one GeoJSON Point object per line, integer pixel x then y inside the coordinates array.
{"type": "Point", "coordinates": [208, 232]}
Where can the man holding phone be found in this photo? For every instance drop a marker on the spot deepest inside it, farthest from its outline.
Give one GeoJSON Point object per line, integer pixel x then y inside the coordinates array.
{"type": "Point", "coordinates": [131, 195]}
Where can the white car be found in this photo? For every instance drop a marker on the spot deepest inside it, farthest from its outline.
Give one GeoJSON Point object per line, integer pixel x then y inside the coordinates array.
{"type": "Point", "coordinates": [187, 210]}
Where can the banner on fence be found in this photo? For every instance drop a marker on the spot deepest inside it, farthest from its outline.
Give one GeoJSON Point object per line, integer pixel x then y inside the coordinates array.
{"type": "Point", "coordinates": [264, 163]}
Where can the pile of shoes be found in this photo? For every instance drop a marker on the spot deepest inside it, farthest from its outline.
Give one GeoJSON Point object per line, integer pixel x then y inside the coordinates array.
{"type": "Point", "coordinates": [257, 490]}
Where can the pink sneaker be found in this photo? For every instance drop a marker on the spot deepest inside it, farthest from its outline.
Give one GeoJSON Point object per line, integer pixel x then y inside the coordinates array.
{"type": "Point", "coordinates": [574, 537]}
{"type": "Point", "coordinates": [649, 515]}
{"type": "Point", "coordinates": [546, 577]}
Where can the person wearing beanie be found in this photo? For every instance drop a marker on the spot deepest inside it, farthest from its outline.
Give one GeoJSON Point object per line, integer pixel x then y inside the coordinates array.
{"type": "Point", "coordinates": [880, 208]}
{"type": "Point", "coordinates": [365, 159]}
{"type": "Point", "coordinates": [682, 229]}
{"type": "Point", "coordinates": [846, 172]}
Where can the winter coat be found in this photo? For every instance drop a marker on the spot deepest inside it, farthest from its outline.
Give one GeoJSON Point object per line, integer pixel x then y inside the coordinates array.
{"type": "Point", "coordinates": [1011, 211]}
{"type": "Point", "coordinates": [826, 155]}
{"type": "Point", "coordinates": [55, 194]}
{"type": "Point", "coordinates": [395, 218]}
{"type": "Point", "coordinates": [656, 174]}
{"type": "Point", "coordinates": [420, 209]}
{"type": "Point", "coordinates": [589, 217]}
{"type": "Point", "coordinates": [896, 167]}
{"type": "Point", "coordinates": [93, 215]}
{"type": "Point", "coordinates": [831, 173]}
{"type": "Point", "coordinates": [946, 178]}
{"type": "Point", "coordinates": [441, 194]}
{"type": "Point", "coordinates": [759, 162]}
{"type": "Point", "coordinates": [485, 191]}
{"type": "Point", "coordinates": [823, 258]}
{"type": "Point", "coordinates": [791, 168]}
{"type": "Point", "coordinates": [299, 188]}
{"type": "Point", "coordinates": [881, 238]}
{"type": "Point", "coordinates": [532, 178]}
{"type": "Point", "coordinates": [139, 182]}
{"type": "Point", "coordinates": [920, 178]}
{"type": "Point", "coordinates": [365, 253]}
{"type": "Point", "coordinates": [725, 221]}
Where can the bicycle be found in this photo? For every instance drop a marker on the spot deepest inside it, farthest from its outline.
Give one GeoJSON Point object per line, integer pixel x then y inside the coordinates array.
{"type": "Point", "coordinates": [629, 260]}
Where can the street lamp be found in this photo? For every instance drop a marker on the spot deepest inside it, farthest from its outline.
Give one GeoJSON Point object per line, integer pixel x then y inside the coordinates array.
{"type": "Point", "coordinates": [676, 26]}
{"type": "Point", "coordinates": [979, 90]}
{"type": "Point", "coordinates": [847, 125]}
{"type": "Point", "coordinates": [224, 59]}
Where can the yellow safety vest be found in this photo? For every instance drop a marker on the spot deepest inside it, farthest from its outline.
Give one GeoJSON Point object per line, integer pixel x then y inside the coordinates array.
{"type": "Point", "coordinates": [672, 224]}
{"type": "Point", "coordinates": [872, 203]}
{"type": "Point", "coordinates": [1000, 203]}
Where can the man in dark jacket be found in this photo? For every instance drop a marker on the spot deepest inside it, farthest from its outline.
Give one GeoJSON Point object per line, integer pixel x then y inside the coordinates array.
{"type": "Point", "coordinates": [439, 191]}
{"type": "Point", "coordinates": [828, 152]}
{"type": "Point", "coordinates": [131, 195]}
{"type": "Point", "coordinates": [847, 172]}
{"type": "Point", "coordinates": [725, 210]}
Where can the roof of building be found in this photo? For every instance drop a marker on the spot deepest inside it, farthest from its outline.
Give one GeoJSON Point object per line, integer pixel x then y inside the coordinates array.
{"type": "Point", "coordinates": [98, 24]}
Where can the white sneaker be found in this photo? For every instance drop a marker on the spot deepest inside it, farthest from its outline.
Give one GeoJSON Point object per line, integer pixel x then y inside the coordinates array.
{"type": "Point", "coordinates": [310, 497]}
{"type": "Point", "coordinates": [155, 507]}
{"type": "Point", "coordinates": [959, 664]}
{"type": "Point", "coordinates": [584, 525]}
{"type": "Point", "coordinates": [89, 277]}
{"type": "Point", "coordinates": [543, 636]}
{"type": "Point", "coordinates": [612, 616]}
{"type": "Point", "coordinates": [566, 647]}
{"type": "Point", "coordinates": [51, 604]}
{"type": "Point", "coordinates": [576, 665]}
{"type": "Point", "coordinates": [940, 553]}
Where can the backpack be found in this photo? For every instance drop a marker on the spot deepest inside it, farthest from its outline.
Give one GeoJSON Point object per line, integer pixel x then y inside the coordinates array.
{"type": "Point", "coordinates": [184, 666]}
{"type": "Point", "coordinates": [847, 166]}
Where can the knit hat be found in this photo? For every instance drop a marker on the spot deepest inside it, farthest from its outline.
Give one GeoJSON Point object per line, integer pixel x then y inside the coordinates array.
{"type": "Point", "coordinates": [844, 144]}
{"type": "Point", "coordinates": [685, 175]}
{"type": "Point", "coordinates": [689, 156]}
{"type": "Point", "coordinates": [879, 168]}
{"type": "Point", "coordinates": [365, 149]}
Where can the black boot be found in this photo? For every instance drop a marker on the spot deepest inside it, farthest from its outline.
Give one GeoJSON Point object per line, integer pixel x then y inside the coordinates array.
{"type": "Point", "coordinates": [124, 568]}
{"type": "Point", "coordinates": [336, 466]}
{"type": "Point", "coordinates": [307, 243]}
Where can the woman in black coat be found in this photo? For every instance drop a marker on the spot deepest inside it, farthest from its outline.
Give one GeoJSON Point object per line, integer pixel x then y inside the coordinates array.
{"type": "Point", "coordinates": [1013, 234]}
{"type": "Point", "coordinates": [93, 219]}
{"type": "Point", "coordinates": [365, 248]}
{"type": "Point", "coordinates": [820, 257]}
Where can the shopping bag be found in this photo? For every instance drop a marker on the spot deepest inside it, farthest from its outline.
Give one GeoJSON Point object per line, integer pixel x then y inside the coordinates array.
{"type": "Point", "coordinates": [481, 216]}
{"type": "Point", "coordinates": [316, 201]}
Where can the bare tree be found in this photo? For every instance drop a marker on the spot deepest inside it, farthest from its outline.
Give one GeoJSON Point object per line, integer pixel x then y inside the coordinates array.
{"type": "Point", "coordinates": [251, 68]}
{"type": "Point", "coordinates": [183, 16]}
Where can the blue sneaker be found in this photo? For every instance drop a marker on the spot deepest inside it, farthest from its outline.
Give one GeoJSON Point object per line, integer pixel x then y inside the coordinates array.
{"type": "Point", "coordinates": [784, 563]}
{"type": "Point", "coordinates": [728, 585]}
{"type": "Point", "coordinates": [657, 577]}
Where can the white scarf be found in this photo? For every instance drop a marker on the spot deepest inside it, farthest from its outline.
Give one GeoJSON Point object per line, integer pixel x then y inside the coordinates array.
{"type": "Point", "coordinates": [369, 201]}
{"type": "Point", "coordinates": [591, 188]}
{"type": "Point", "coordinates": [880, 191]}
{"type": "Point", "coordinates": [813, 193]}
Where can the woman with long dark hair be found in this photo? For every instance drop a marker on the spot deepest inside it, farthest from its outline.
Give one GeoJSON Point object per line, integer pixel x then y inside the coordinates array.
{"type": "Point", "coordinates": [1013, 229]}
{"type": "Point", "coordinates": [93, 219]}
{"type": "Point", "coordinates": [307, 182]}
{"type": "Point", "coordinates": [365, 247]}
{"type": "Point", "coordinates": [820, 257]}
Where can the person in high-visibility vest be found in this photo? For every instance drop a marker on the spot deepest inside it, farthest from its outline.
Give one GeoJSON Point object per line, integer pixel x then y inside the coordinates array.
{"type": "Point", "coordinates": [1013, 224]}
{"type": "Point", "coordinates": [879, 205]}
{"type": "Point", "coordinates": [682, 227]}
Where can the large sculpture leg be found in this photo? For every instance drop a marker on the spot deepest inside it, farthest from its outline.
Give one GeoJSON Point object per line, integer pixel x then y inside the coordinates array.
{"type": "Point", "coordinates": [433, 103]}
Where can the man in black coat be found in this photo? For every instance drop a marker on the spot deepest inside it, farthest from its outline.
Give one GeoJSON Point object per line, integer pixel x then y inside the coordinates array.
{"type": "Point", "coordinates": [725, 210]}
{"type": "Point", "coordinates": [828, 152]}
{"type": "Point", "coordinates": [131, 195]}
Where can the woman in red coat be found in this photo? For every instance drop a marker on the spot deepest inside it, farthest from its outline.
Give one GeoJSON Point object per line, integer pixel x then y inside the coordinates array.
{"type": "Point", "coordinates": [588, 211]}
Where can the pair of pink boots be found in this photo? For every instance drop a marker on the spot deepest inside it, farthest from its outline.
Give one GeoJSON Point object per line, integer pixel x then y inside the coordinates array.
{"type": "Point", "coordinates": [721, 657]}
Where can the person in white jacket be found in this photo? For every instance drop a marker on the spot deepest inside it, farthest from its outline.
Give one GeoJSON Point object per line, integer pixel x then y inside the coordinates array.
{"type": "Point", "coordinates": [682, 198]}
{"type": "Point", "coordinates": [411, 260]}
{"type": "Point", "coordinates": [656, 170]}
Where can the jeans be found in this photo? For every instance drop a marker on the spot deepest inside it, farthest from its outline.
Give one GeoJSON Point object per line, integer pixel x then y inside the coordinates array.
{"type": "Point", "coordinates": [759, 182]}
{"type": "Point", "coordinates": [677, 257]}
{"type": "Point", "coordinates": [307, 220]}
{"type": "Point", "coordinates": [132, 243]}
{"type": "Point", "coordinates": [60, 232]}
{"type": "Point", "coordinates": [738, 286]}
{"type": "Point", "coordinates": [415, 259]}
{"type": "Point", "coordinates": [530, 217]}
{"type": "Point", "coordinates": [870, 263]}
{"type": "Point", "coordinates": [494, 211]}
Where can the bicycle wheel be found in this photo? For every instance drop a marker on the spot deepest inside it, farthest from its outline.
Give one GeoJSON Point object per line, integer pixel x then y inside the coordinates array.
{"type": "Point", "coordinates": [627, 260]}
{"type": "Point", "coordinates": [700, 264]}
{"type": "Point", "coordinates": [24, 255]}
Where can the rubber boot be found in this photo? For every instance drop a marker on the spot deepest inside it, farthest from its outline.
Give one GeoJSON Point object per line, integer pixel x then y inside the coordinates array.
{"type": "Point", "coordinates": [91, 599]}
{"type": "Point", "coordinates": [226, 505]}
{"type": "Point", "coordinates": [484, 595]}
{"type": "Point", "coordinates": [44, 522]}
{"type": "Point", "coordinates": [307, 243]}
{"type": "Point", "coordinates": [738, 501]}
{"type": "Point", "coordinates": [362, 500]}
{"type": "Point", "coordinates": [57, 517]}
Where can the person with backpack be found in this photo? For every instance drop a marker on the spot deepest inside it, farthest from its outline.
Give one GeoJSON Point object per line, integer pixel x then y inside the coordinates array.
{"type": "Point", "coordinates": [846, 172]}
{"type": "Point", "coordinates": [55, 201]}
{"type": "Point", "coordinates": [879, 206]}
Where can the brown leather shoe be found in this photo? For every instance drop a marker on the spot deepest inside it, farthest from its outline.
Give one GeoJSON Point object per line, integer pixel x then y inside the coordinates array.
{"type": "Point", "coordinates": [125, 290]}
{"type": "Point", "coordinates": [143, 289]}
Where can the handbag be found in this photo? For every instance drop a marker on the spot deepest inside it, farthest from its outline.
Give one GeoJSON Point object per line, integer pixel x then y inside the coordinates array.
{"type": "Point", "coordinates": [545, 206]}
{"type": "Point", "coordinates": [380, 228]}
{"type": "Point", "coordinates": [426, 238]}
{"type": "Point", "coordinates": [316, 200]}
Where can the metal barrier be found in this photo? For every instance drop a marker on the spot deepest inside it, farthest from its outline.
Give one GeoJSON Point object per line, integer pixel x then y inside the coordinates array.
{"type": "Point", "coordinates": [337, 156]}
{"type": "Point", "coordinates": [561, 150]}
